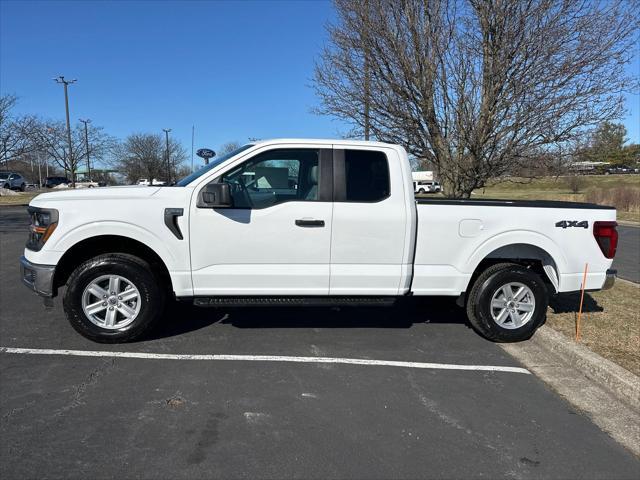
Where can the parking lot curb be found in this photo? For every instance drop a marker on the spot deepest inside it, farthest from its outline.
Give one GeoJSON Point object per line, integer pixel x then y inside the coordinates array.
{"type": "Point", "coordinates": [626, 223]}
{"type": "Point", "coordinates": [618, 380]}
{"type": "Point", "coordinates": [607, 393]}
{"type": "Point", "coordinates": [628, 282]}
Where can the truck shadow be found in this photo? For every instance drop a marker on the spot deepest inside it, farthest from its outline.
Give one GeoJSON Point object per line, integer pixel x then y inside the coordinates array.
{"type": "Point", "coordinates": [570, 303]}
{"type": "Point", "coordinates": [181, 318]}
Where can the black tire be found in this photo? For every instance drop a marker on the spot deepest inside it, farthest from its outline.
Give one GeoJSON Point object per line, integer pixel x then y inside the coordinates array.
{"type": "Point", "coordinates": [139, 272]}
{"type": "Point", "coordinates": [481, 295]}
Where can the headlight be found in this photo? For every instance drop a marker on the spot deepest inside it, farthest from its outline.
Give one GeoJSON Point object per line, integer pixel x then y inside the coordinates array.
{"type": "Point", "coordinates": [43, 222]}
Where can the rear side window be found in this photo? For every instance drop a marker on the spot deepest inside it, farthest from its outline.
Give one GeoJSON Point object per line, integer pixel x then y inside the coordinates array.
{"type": "Point", "coordinates": [366, 176]}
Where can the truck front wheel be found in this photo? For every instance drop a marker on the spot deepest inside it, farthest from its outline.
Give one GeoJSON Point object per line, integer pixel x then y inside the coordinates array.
{"type": "Point", "coordinates": [113, 298]}
{"type": "Point", "coordinates": [507, 303]}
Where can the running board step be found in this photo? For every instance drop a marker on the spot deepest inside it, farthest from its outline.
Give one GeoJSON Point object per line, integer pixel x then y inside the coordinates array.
{"type": "Point", "coordinates": [293, 301]}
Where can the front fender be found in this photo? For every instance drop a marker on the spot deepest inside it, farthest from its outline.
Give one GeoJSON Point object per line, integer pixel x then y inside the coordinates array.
{"type": "Point", "coordinates": [119, 228]}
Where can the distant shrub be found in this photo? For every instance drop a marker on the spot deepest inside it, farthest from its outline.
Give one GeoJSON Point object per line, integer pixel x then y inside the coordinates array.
{"type": "Point", "coordinates": [575, 183]}
{"type": "Point", "coordinates": [625, 199]}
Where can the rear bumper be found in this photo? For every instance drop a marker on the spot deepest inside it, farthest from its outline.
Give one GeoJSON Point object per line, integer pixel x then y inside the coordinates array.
{"type": "Point", "coordinates": [38, 278]}
{"type": "Point", "coordinates": [610, 279]}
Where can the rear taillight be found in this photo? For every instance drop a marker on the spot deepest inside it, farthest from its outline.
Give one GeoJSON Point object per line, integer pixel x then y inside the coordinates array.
{"type": "Point", "coordinates": [606, 235]}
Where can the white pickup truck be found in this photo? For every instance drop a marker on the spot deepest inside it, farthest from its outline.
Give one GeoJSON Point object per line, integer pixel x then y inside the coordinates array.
{"type": "Point", "coordinates": [308, 222]}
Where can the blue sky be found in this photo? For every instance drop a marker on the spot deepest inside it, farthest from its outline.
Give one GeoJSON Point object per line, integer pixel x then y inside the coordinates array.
{"type": "Point", "coordinates": [233, 69]}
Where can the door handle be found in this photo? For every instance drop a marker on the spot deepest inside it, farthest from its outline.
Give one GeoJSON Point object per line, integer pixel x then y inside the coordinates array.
{"type": "Point", "coordinates": [303, 222]}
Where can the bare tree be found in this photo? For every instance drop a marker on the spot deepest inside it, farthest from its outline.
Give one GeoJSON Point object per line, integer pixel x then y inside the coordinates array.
{"type": "Point", "coordinates": [97, 146]}
{"type": "Point", "coordinates": [143, 155]}
{"type": "Point", "coordinates": [228, 147]}
{"type": "Point", "coordinates": [52, 139]}
{"type": "Point", "coordinates": [17, 133]}
{"type": "Point", "coordinates": [477, 88]}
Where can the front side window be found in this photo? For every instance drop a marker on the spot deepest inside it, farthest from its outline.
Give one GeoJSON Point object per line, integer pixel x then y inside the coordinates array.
{"type": "Point", "coordinates": [274, 177]}
{"type": "Point", "coordinates": [367, 176]}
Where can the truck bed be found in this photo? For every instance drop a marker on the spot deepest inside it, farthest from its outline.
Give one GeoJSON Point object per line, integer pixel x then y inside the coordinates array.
{"type": "Point", "coordinates": [452, 239]}
{"type": "Point", "coordinates": [489, 202]}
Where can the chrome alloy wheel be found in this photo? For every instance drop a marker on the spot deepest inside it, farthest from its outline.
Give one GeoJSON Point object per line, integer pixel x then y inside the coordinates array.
{"type": "Point", "coordinates": [111, 302]}
{"type": "Point", "coordinates": [512, 305]}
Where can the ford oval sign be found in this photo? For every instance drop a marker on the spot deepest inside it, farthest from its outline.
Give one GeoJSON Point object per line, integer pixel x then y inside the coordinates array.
{"type": "Point", "coordinates": [206, 153]}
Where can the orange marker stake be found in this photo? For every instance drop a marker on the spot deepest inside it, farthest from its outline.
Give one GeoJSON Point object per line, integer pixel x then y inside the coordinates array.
{"type": "Point", "coordinates": [584, 280]}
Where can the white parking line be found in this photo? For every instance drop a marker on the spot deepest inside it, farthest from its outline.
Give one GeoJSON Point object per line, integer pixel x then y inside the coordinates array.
{"type": "Point", "coordinates": [262, 358]}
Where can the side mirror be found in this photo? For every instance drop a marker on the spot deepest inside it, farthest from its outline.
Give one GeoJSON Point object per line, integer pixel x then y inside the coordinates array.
{"type": "Point", "coordinates": [215, 195]}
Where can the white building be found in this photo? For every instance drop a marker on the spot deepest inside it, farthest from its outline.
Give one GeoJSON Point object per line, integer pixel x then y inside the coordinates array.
{"type": "Point", "coordinates": [423, 176]}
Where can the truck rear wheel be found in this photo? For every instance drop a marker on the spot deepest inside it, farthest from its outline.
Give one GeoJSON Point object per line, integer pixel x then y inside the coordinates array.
{"type": "Point", "coordinates": [113, 298]}
{"type": "Point", "coordinates": [507, 303]}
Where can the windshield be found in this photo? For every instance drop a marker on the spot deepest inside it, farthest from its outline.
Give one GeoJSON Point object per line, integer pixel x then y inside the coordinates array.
{"type": "Point", "coordinates": [198, 173]}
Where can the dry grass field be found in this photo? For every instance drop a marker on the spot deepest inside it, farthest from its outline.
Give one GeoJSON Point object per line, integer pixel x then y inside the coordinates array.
{"type": "Point", "coordinates": [621, 191]}
{"type": "Point", "coordinates": [610, 324]}
{"type": "Point", "coordinates": [20, 198]}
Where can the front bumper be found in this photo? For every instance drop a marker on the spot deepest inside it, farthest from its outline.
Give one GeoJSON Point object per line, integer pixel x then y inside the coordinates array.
{"type": "Point", "coordinates": [38, 278]}
{"type": "Point", "coordinates": [610, 279]}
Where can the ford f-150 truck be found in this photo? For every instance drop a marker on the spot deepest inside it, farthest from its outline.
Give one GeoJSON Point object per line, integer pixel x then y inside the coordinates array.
{"type": "Point", "coordinates": [311, 222]}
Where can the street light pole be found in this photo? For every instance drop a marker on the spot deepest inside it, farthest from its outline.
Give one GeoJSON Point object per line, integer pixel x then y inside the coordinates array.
{"type": "Point", "coordinates": [86, 146]}
{"type": "Point", "coordinates": [166, 133]}
{"type": "Point", "coordinates": [66, 83]}
{"type": "Point", "coordinates": [39, 169]}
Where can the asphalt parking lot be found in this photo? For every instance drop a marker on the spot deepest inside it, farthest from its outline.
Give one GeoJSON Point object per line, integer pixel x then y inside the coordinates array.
{"type": "Point", "coordinates": [627, 259]}
{"type": "Point", "coordinates": [104, 417]}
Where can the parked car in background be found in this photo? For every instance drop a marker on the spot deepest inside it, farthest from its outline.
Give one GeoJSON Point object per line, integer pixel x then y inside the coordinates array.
{"type": "Point", "coordinates": [87, 184]}
{"type": "Point", "coordinates": [13, 181]}
{"type": "Point", "coordinates": [155, 181]}
{"type": "Point", "coordinates": [51, 182]}
{"type": "Point", "coordinates": [435, 187]}
{"type": "Point", "coordinates": [427, 187]}
{"type": "Point", "coordinates": [619, 169]}
{"type": "Point", "coordinates": [420, 187]}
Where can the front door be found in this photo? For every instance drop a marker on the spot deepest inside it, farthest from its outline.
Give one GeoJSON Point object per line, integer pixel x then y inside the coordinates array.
{"type": "Point", "coordinates": [276, 238]}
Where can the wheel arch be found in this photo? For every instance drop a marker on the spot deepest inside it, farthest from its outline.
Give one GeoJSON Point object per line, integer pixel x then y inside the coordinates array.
{"type": "Point", "coordinates": [93, 246]}
{"type": "Point", "coordinates": [530, 256]}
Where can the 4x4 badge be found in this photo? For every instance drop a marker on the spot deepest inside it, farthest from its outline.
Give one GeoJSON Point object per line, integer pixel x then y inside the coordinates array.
{"type": "Point", "coordinates": [572, 223]}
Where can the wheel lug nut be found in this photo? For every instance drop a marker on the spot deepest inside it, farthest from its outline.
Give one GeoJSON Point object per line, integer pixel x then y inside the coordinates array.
{"type": "Point", "coordinates": [119, 297]}
{"type": "Point", "coordinates": [104, 304]}
{"type": "Point", "coordinates": [113, 293]}
{"type": "Point", "coordinates": [110, 308]}
{"type": "Point", "coordinates": [104, 296]}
